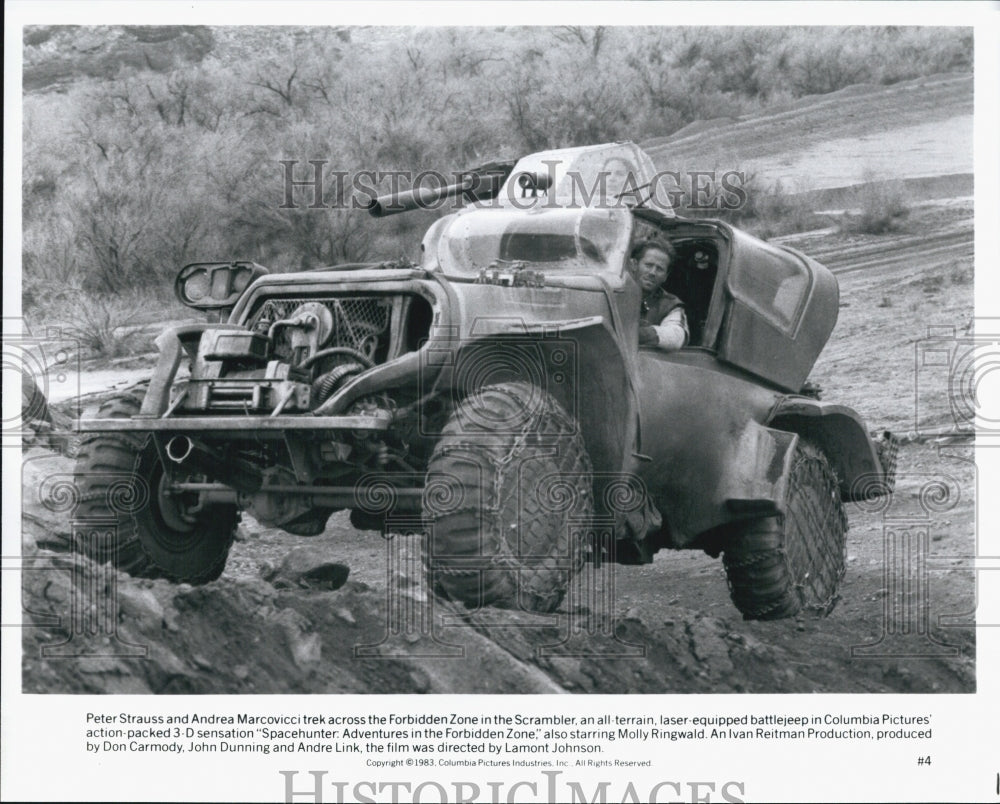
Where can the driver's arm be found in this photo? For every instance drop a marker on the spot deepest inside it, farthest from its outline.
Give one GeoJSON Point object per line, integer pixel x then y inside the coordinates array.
{"type": "Point", "coordinates": [669, 335]}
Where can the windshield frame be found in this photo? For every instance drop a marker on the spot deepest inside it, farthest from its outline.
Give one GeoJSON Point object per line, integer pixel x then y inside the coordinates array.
{"type": "Point", "coordinates": [451, 248]}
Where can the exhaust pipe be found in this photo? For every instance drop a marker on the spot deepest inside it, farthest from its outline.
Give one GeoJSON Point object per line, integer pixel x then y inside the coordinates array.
{"type": "Point", "coordinates": [193, 455]}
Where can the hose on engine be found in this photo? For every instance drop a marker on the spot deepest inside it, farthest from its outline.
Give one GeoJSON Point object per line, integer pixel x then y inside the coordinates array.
{"type": "Point", "coordinates": [326, 384]}
{"type": "Point", "coordinates": [366, 361]}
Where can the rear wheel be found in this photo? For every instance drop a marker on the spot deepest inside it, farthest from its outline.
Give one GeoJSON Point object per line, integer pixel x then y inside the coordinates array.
{"type": "Point", "coordinates": [508, 494]}
{"type": "Point", "coordinates": [783, 564]}
{"type": "Point", "coordinates": [119, 476]}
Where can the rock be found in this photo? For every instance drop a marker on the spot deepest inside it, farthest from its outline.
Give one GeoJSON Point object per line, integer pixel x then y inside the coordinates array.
{"type": "Point", "coordinates": [307, 567]}
{"type": "Point", "coordinates": [421, 682]}
{"type": "Point", "coordinates": [170, 615]}
{"type": "Point", "coordinates": [306, 648]}
{"type": "Point", "coordinates": [304, 644]}
{"type": "Point", "coordinates": [101, 664]}
{"type": "Point", "coordinates": [757, 648]}
{"type": "Point", "coordinates": [140, 603]}
{"type": "Point", "coordinates": [201, 661]}
{"type": "Point", "coordinates": [57, 589]}
{"type": "Point", "coordinates": [46, 501]}
{"type": "Point", "coordinates": [29, 534]}
{"type": "Point", "coordinates": [418, 595]}
{"type": "Point", "coordinates": [168, 662]}
{"type": "Point", "coordinates": [708, 646]}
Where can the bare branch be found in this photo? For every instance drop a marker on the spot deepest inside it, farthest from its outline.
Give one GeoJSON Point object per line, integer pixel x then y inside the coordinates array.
{"type": "Point", "coordinates": [273, 86]}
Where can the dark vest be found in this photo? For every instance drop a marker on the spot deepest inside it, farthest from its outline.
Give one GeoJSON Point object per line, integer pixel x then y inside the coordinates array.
{"type": "Point", "coordinates": [657, 306]}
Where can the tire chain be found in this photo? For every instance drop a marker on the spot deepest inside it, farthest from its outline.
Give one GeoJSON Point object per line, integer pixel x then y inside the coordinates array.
{"type": "Point", "coordinates": [492, 507]}
{"type": "Point", "coordinates": [779, 555]}
{"type": "Point", "coordinates": [821, 476]}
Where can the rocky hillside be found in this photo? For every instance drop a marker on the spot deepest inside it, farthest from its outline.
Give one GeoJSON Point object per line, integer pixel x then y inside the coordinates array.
{"type": "Point", "coordinates": [55, 56]}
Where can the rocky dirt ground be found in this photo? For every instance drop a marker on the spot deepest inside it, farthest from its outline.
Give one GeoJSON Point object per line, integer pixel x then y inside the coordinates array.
{"type": "Point", "coordinates": [348, 611]}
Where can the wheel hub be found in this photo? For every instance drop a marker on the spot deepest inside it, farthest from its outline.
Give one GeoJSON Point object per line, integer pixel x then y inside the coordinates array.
{"type": "Point", "coordinates": [178, 509]}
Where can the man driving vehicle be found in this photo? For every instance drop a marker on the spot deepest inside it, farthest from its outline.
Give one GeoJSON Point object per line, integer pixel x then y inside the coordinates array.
{"type": "Point", "coordinates": [662, 323]}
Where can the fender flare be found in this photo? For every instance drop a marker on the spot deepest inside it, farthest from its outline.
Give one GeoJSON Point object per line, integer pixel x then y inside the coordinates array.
{"type": "Point", "coordinates": [592, 378]}
{"type": "Point", "coordinates": [840, 432]}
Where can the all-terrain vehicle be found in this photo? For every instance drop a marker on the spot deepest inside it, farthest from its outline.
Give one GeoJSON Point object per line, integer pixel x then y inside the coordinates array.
{"type": "Point", "coordinates": [496, 395]}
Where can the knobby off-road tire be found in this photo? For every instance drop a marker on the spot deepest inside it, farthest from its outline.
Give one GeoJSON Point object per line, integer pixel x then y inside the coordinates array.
{"type": "Point", "coordinates": [780, 565]}
{"type": "Point", "coordinates": [509, 488]}
{"type": "Point", "coordinates": [156, 537]}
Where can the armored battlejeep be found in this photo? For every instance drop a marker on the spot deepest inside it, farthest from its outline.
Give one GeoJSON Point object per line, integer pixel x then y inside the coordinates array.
{"type": "Point", "coordinates": [496, 395]}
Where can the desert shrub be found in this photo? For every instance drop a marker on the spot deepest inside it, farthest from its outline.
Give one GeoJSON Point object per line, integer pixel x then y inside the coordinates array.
{"type": "Point", "coordinates": [768, 210]}
{"type": "Point", "coordinates": [961, 274]}
{"type": "Point", "coordinates": [48, 257]}
{"type": "Point", "coordinates": [178, 160]}
{"type": "Point", "coordinates": [883, 208]}
{"type": "Point", "coordinates": [908, 53]}
{"type": "Point", "coordinates": [826, 65]}
{"type": "Point", "coordinates": [932, 284]}
{"type": "Point", "coordinates": [104, 323]}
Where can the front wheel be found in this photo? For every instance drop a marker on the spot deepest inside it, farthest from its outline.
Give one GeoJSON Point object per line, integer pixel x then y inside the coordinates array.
{"type": "Point", "coordinates": [780, 565]}
{"type": "Point", "coordinates": [507, 498]}
{"type": "Point", "coordinates": [156, 533]}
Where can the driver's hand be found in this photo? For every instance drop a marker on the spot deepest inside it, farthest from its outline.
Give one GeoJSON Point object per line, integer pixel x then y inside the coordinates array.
{"type": "Point", "coordinates": [647, 336]}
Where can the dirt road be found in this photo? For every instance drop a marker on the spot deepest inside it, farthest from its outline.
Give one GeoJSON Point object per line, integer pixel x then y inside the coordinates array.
{"type": "Point", "coordinates": [914, 128]}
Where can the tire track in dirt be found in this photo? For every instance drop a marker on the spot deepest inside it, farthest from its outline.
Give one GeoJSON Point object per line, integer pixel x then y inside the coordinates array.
{"type": "Point", "coordinates": [934, 247]}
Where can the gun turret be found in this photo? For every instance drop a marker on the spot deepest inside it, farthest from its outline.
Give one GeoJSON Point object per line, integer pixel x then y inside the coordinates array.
{"type": "Point", "coordinates": [479, 184]}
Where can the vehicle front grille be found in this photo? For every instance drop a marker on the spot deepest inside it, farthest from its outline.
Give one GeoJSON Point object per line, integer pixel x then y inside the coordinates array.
{"type": "Point", "coordinates": [359, 322]}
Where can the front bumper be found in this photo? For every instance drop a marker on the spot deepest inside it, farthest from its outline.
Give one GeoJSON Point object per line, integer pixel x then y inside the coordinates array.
{"type": "Point", "coordinates": [235, 425]}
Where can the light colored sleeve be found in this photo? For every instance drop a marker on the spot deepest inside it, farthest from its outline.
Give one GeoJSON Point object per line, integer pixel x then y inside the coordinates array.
{"type": "Point", "coordinates": [672, 331]}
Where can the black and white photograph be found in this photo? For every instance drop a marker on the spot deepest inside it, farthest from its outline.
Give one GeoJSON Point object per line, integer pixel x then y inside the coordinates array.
{"type": "Point", "coordinates": [635, 363]}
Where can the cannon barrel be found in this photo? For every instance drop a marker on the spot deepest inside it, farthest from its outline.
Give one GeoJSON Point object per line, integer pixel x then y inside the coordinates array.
{"type": "Point", "coordinates": [479, 184]}
{"type": "Point", "coordinates": [420, 198]}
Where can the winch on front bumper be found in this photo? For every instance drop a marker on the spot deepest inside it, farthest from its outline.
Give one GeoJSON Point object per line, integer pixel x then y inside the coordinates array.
{"type": "Point", "coordinates": [246, 413]}
{"type": "Point", "coordinates": [289, 356]}
{"type": "Point", "coordinates": [260, 395]}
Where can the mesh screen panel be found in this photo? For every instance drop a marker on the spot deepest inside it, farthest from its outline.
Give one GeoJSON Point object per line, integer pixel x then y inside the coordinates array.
{"type": "Point", "coordinates": [359, 323]}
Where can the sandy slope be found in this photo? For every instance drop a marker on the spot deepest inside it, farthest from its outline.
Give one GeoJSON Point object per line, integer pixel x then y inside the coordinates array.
{"type": "Point", "coordinates": [910, 129]}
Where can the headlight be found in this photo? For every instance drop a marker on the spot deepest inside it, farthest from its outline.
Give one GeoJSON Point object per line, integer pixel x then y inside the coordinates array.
{"type": "Point", "coordinates": [215, 285]}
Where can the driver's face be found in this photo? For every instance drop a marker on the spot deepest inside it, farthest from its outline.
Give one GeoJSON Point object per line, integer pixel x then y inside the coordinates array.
{"type": "Point", "coordinates": [653, 268]}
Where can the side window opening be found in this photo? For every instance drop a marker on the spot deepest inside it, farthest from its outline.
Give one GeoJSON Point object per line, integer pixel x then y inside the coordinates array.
{"type": "Point", "coordinates": [692, 279]}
